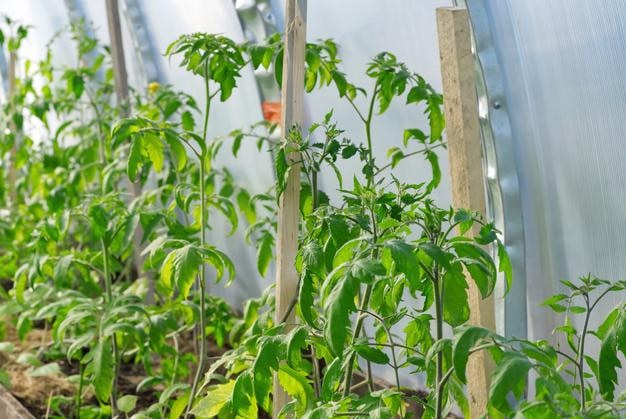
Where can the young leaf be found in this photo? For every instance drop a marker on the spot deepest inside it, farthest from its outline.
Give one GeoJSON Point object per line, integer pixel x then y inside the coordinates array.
{"type": "Point", "coordinates": [508, 376]}
{"type": "Point", "coordinates": [243, 401]}
{"type": "Point", "coordinates": [338, 307]}
{"type": "Point", "coordinates": [455, 301]}
{"type": "Point", "coordinates": [216, 398]}
{"type": "Point", "coordinates": [331, 379]}
{"type": "Point", "coordinates": [297, 386]}
{"type": "Point", "coordinates": [406, 261]}
{"type": "Point", "coordinates": [505, 266]}
{"type": "Point", "coordinates": [465, 341]}
{"type": "Point", "coordinates": [134, 159]}
{"type": "Point", "coordinates": [127, 403]}
{"type": "Point", "coordinates": [188, 121]}
{"type": "Point", "coordinates": [613, 342]}
{"type": "Point", "coordinates": [103, 369]}
{"type": "Point", "coordinates": [180, 268]}
{"type": "Point", "coordinates": [372, 354]}
{"type": "Point", "coordinates": [306, 300]}
{"type": "Point", "coordinates": [264, 253]}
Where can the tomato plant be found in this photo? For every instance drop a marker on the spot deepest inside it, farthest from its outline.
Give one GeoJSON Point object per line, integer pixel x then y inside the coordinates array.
{"type": "Point", "coordinates": [383, 271]}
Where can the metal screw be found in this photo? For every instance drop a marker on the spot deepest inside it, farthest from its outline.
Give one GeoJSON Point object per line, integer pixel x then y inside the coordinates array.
{"type": "Point", "coordinates": [496, 104]}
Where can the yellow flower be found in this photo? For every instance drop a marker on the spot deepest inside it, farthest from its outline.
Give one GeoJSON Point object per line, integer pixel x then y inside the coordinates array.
{"type": "Point", "coordinates": [153, 87]}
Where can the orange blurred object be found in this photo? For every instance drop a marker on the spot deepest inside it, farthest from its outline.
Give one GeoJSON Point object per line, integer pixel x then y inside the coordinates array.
{"type": "Point", "coordinates": [271, 111]}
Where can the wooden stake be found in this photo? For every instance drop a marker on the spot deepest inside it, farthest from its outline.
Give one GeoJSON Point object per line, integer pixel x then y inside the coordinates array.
{"type": "Point", "coordinates": [121, 92]}
{"type": "Point", "coordinates": [117, 55]}
{"type": "Point", "coordinates": [289, 204]}
{"type": "Point", "coordinates": [12, 174]}
{"type": "Point", "coordinates": [465, 156]}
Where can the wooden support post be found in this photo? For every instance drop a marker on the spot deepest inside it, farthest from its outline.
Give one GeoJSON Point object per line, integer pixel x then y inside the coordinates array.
{"type": "Point", "coordinates": [121, 91]}
{"type": "Point", "coordinates": [465, 154]}
{"type": "Point", "coordinates": [117, 55]}
{"type": "Point", "coordinates": [289, 203]}
{"type": "Point", "coordinates": [12, 85]}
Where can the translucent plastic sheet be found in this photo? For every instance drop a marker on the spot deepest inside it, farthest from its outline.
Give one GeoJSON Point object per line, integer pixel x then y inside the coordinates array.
{"type": "Point", "coordinates": [563, 64]}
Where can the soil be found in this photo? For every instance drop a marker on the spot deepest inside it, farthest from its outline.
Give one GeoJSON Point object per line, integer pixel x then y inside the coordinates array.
{"type": "Point", "coordinates": [35, 392]}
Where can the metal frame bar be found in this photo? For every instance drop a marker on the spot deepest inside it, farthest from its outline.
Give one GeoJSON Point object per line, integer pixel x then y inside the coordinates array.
{"type": "Point", "coordinates": [4, 75]}
{"type": "Point", "coordinates": [142, 45]}
{"type": "Point", "coordinates": [258, 21]}
{"type": "Point", "coordinates": [504, 201]}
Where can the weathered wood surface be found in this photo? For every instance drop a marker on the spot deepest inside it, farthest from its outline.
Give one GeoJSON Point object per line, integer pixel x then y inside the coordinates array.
{"type": "Point", "coordinates": [465, 157]}
{"type": "Point", "coordinates": [289, 203]}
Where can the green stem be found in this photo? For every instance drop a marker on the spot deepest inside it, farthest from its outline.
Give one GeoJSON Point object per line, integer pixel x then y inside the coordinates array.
{"type": "Point", "coordinates": [580, 361]}
{"type": "Point", "coordinates": [439, 334]}
{"type": "Point", "coordinates": [368, 289]}
{"type": "Point", "coordinates": [357, 331]}
{"type": "Point", "coordinates": [108, 299]}
{"type": "Point", "coordinates": [79, 393]}
{"type": "Point", "coordinates": [368, 134]}
{"type": "Point", "coordinates": [202, 284]}
{"type": "Point", "coordinates": [363, 307]}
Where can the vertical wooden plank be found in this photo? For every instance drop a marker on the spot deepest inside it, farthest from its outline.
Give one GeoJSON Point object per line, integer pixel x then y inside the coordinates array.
{"type": "Point", "coordinates": [12, 174]}
{"type": "Point", "coordinates": [117, 55]}
{"type": "Point", "coordinates": [289, 204]}
{"type": "Point", "coordinates": [121, 91]}
{"type": "Point", "coordinates": [465, 155]}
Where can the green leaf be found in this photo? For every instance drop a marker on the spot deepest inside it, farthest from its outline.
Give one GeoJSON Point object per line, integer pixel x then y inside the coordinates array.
{"type": "Point", "coordinates": [416, 94]}
{"type": "Point", "coordinates": [180, 268]}
{"type": "Point", "coordinates": [243, 400]}
{"type": "Point", "coordinates": [76, 84]}
{"type": "Point", "coordinates": [216, 398]}
{"type": "Point", "coordinates": [153, 147]}
{"type": "Point", "coordinates": [46, 369]}
{"type": "Point", "coordinates": [339, 305]}
{"type": "Point", "coordinates": [435, 117]}
{"type": "Point", "coordinates": [479, 264]}
{"type": "Point", "coordinates": [614, 342]}
{"type": "Point", "coordinates": [505, 266]}
{"type": "Point", "coordinates": [456, 309]}
{"type": "Point", "coordinates": [296, 384]}
{"type": "Point", "coordinates": [340, 81]}
{"type": "Point", "coordinates": [508, 376]}
{"type": "Point", "coordinates": [306, 300]}
{"type": "Point", "coordinates": [245, 206]}
{"type": "Point", "coordinates": [433, 159]}
{"type": "Point", "coordinates": [464, 342]}
{"type": "Point", "coordinates": [413, 133]}
{"type": "Point", "coordinates": [406, 261]}
{"type": "Point", "coordinates": [127, 403]}
{"type": "Point", "coordinates": [266, 362]}
{"type": "Point", "coordinates": [103, 369]}
{"type": "Point", "coordinates": [372, 354]}
{"type": "Point", "coordinates": [134, 159]}
{"type": "Point", "coordinates": [188, 122]}
{"type": "Point", "coordinates": [332, 379]}
{"type": "Point", "coordinates": [178, 152]}
{"type": "Point", "coordinates": [178, 407]}
{"type": "Point", "coordinates": [264, 253]}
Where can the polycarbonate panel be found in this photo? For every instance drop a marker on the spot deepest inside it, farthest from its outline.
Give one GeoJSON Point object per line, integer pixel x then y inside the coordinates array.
{"type": "Point", "coordinates": [563, 64]}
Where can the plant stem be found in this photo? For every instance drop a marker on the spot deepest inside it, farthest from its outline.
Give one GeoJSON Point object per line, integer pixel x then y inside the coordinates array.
{"type": "Point", "coordinates": [79, 393]}
{"type": "Point", "coordinates": [108, 299]}
{"type": "Point", "coordinates": [357, 331]}
{"type": "Point", "coordinates": [439, 334]}
{"type": "Point", "coordinates": [202, 284]}
{"type": "Point", "coordinates": [580, 361]}
{"type": "Point", "coordinates": [368, 134]}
